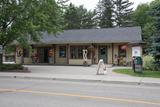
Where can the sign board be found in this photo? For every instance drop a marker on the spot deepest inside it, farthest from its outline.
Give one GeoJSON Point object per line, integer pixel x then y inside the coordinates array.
{"type": "Point", "coordinates": [101, 65]}
{"type": "Point", "coordinates": [136, 51]}
{"type": "Point", "coordinates": [1, 49]}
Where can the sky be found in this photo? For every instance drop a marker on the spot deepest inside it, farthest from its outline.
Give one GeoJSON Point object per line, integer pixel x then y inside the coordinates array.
{"type": "Point", "coordinates": [91, 4]}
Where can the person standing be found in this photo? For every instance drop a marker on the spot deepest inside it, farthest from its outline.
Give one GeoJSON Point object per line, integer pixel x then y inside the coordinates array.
{"type": "Point", "coordinates": [116, 60]}
{"type": "Point", "coordinates": [36, 57]}
{"type": "Point", "coordinates": [50, 55]}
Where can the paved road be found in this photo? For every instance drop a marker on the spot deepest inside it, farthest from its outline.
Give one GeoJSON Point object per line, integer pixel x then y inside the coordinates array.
{"type": "Point", "coordinates": [46, 93]}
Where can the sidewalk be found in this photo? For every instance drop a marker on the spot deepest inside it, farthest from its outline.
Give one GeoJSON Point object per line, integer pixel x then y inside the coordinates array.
{"type": "Point", "coordinates": [70, 75]}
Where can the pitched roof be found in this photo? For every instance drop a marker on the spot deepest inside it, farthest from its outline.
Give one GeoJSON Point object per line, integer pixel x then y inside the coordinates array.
{"type": "Point", "coordinates": [109, 35]}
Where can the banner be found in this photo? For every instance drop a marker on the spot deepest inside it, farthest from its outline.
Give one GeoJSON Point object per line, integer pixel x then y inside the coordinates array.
{"type": "Point", "coordinates": [136, 51]}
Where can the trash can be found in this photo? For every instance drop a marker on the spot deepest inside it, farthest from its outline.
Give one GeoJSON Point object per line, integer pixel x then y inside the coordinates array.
{"type": "Point", "coordinates": [138, 67]}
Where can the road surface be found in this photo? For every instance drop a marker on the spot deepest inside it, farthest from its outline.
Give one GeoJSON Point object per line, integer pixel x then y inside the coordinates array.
{"type": "Point", "coordinates": [50, 93]}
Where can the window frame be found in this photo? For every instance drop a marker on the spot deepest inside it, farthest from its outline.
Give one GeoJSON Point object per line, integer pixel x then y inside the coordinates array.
{"type": "Point", "coordinates": [120, 51]}
{"type": "Point", "coordinates": [61, 50]}
{"type": "Point", "coordinates": [77, 51]}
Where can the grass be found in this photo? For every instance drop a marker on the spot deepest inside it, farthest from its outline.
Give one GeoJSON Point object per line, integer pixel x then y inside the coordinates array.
{"type": "Point", "coordinates": [146, 73]}
{"type": "Point", "coordinates": [9, 67]}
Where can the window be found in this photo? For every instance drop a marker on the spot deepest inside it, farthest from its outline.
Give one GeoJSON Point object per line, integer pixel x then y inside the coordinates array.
{"type": "Point", "coordinates": [26, 53]}
{"type": "Point", "coordinates": [122, 51]}
{"type": "Point", "coordinates": [122, 55]}
{"type": "Point", "coordinates": [9, 58]}
{"type": "Point", "coordinates": [103, 51]}
{"type": "Point", "coordinates": [74, 54]}
{"type": "Point", "coordinates": [62, 51]}
{"type": "Point", "coordinates": [77, 52]}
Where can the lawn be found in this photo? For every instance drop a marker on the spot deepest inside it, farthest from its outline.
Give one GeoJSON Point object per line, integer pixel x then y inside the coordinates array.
{"type": "Point", "coordinates": [146, 73]}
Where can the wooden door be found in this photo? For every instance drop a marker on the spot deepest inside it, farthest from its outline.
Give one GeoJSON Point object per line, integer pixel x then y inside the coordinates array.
{"type": "Point", "coordinates": [103, 53]}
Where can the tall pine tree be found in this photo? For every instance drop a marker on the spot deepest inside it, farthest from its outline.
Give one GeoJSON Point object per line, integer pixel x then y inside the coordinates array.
{"type": "Point", "coordinates": [105, 10]}
{"type": "Point", "coordinates": [71, 17]}
{"type": "Point", "coordinates": [123, 10]}
{"type": "Point", "coordinates": [155, 14]}
{"type": "Point", "coordinates": [78, 17]}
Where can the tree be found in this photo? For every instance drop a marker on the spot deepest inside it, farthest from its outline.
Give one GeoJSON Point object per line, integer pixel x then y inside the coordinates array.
{"type": "Point", "coordinates": [105, 9]}
{"type": "Point", "coordinates": [155, 14]}
{"type": "Point", "coordinates": [87, 18]}
{"type": "Point", "coordinates": [147, 32]}
{"type": "Point", "coordinates": [24, 19]}
{"type": "Point", "coordinates": [70, 21]}
{"type": "Point", "coordinates": [78, 17]}
{"type": "Point", "coordinates": [123, 11]}
{"type": "Point", "coordinates": [141, 17]}
{"type": "Point", "coordinates": [156, 50]}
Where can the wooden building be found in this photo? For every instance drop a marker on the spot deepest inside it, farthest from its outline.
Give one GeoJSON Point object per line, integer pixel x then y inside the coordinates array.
{"type": "Point", "coordinates": [67, 47]}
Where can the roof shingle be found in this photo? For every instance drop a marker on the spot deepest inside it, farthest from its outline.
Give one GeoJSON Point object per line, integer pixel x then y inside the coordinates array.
{"type": "Point", "coordinates": [109, 35]}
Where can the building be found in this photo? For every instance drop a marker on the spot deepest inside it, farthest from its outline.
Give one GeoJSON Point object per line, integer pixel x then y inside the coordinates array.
{"type": "Point", "coordinates": [67, 47]}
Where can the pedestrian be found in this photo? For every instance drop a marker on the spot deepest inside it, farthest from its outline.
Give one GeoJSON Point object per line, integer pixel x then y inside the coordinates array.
{"type": "Point", "coordinates": [50, 55]}
{"type": "Point", "coordinates": [36, 57]}
{"type": "Point", "coordinates": [133, 63]}
{"type": "Point", "coordinates": [115, 60]}
{"type": "Point", "coordinates": [32, 57]}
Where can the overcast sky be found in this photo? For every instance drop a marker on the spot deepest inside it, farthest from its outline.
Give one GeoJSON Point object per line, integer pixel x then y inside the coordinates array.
{"type": "Point", "coordinates": [90, 4]}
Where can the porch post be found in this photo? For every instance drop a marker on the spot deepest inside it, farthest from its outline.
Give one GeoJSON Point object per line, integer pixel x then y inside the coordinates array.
{"type": "Point", "coordinates": [112, 53]}
{"type": "Point", "coordinates": [91, 56]}
{"type": "Point", "coordinates": [54, 53]}
{"type": "Point", "coordinates": [15, 50]}
{"type": "Point", "coordinates": [68, 53]}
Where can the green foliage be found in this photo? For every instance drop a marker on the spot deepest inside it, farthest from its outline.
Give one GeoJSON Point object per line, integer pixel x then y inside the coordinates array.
{"type": "Point", "coordinates": [78, 17]}
{"type": "Point", "coordinates": [123, 11]}
{"type": "Point", "coordinates": [147, 16]}
{"type": "Point", "coordinates": [148, 62]}
{"type": "Point", "coordinates": [155, 14]}
{"type": "Point", "coordinates": [21, 18]}
{"type": "Point", "coordinates": [140, 16]}
{"type": "Point", "coordinates": [147, 31]}
{"type": "Point", "coordinates": [26, 20]}
{"type": "Point", "coordinates": [9, 49]}
{"type": "Point", "coordinates": [156, 51]}
{"type": "Point", "coordinates": [146, 73]}
{"type": "Point", "coordinates": [105, 10]}
{"type": "Point", "coordinates": [6, 67]}
{"type": "Point", "coordinates": [114, 13]}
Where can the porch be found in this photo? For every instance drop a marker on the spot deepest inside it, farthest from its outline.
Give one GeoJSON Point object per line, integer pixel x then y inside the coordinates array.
{"type": "Point", "coordinates": [72, 54]}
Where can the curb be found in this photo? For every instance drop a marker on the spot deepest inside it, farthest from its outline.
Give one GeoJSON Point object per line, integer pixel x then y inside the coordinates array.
{"type": "Point", "coordinates": [121, 82]}
{"type": "Point", "coordinates": [85, 80]}
{"type": "Point", "coordinates": [54, 78]}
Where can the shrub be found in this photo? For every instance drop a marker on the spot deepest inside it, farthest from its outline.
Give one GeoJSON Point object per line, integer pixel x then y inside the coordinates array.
{"type": "Point", "coordinates": [4, 67]}
{"type": "Point", "coordinates": [148, 62]}
{"type": "Point", "coordinates": [156, 65]}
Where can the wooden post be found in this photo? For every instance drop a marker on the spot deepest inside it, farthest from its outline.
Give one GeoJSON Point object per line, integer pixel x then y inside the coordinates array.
{"type": "Point", "coordinates": [112, 53]}
{"type": "Point", "coordinates": [68, 53]}
{"type": "Point", "coordinates": [15, 54]}
{"type": "Point", "coordinates": [54, 53]}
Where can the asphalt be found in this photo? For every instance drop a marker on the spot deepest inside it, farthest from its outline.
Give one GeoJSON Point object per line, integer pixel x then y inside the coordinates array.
{"type": "Point", "coordinates": [48, 93]}
{"type": "Point", "coordinates": [80, 74]}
